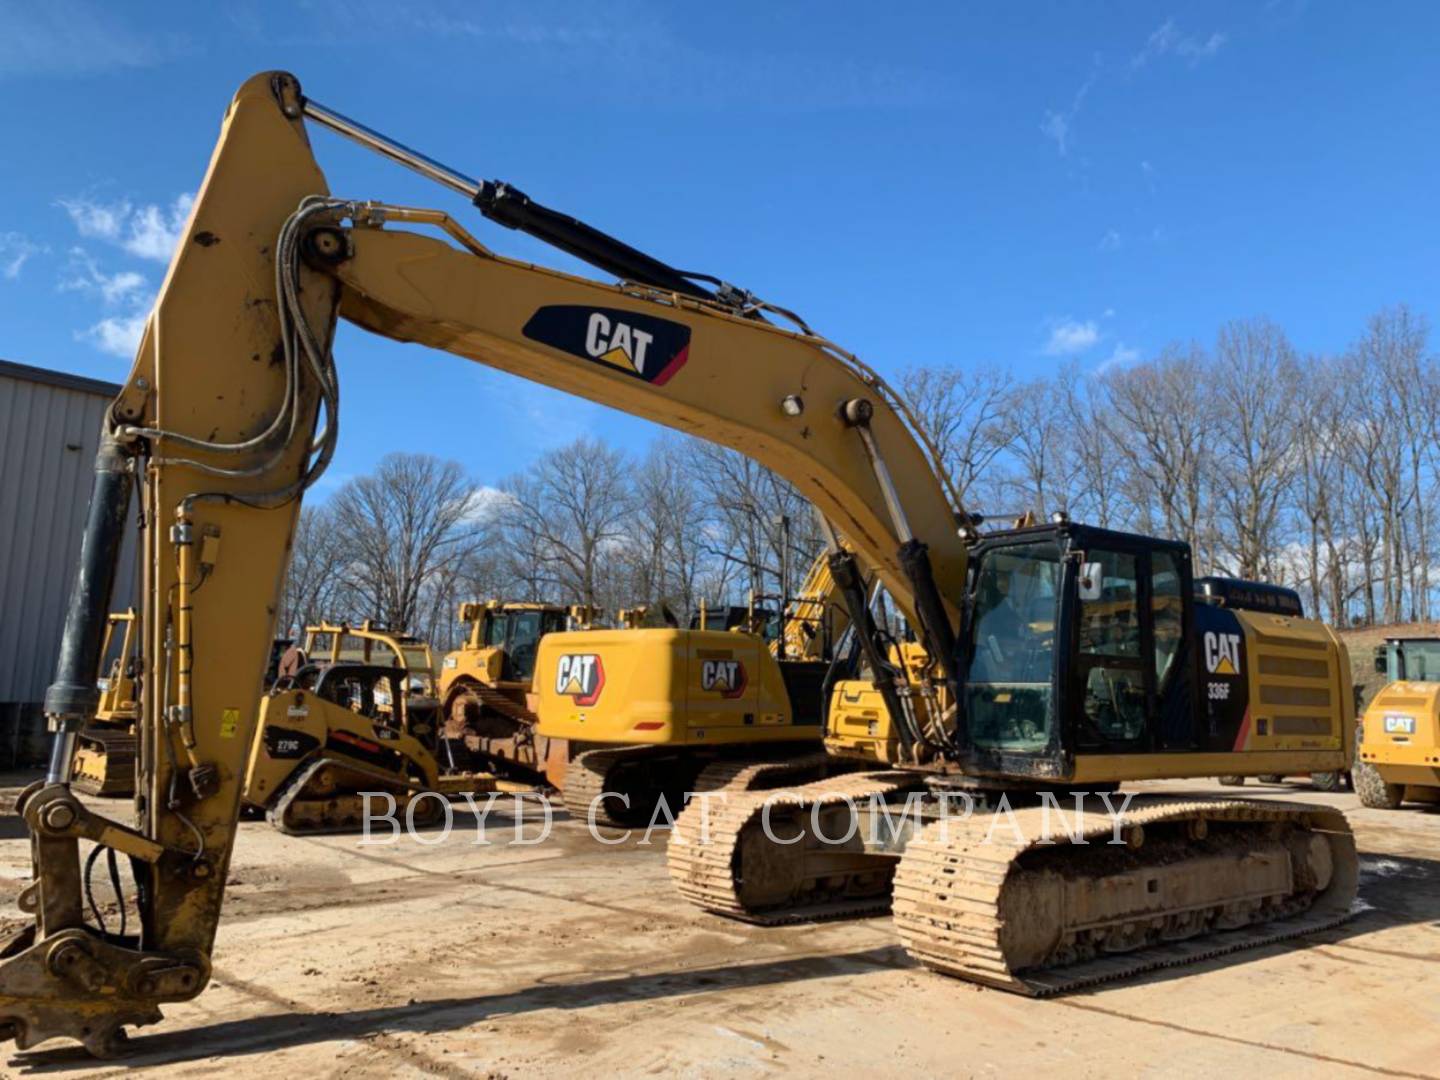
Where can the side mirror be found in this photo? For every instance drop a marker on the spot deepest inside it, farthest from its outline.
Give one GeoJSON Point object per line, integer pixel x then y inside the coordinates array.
{"type": "Point", "coordinates": [1092, 580]}
{"type": "Point", "coordinates": [1381, 661]}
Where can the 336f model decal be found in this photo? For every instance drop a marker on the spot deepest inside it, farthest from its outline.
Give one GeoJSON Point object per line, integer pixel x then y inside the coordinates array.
{"type": "Point", "coordinates": [581, 677]}
{"type": "Point", "coordinates": [630, 342]}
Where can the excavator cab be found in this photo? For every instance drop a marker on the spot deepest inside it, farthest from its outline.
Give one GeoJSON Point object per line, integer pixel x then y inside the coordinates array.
{"type": "Point", "coordinates": [1090, 654]}
{"type": "Point", "coordinates": [1075, 644]}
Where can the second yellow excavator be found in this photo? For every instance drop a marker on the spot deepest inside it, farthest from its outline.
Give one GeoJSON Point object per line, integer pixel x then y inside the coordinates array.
{"type": "Point", "coordinates": [1074, 658]}
{"type": "Point", "coordinates": [657, 712]}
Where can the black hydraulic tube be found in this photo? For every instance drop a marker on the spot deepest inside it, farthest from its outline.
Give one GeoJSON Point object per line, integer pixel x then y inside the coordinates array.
{"type": "Point", "coordinates": [507, 205]}
{"type": "Point", "coordinates": [935, 625]}
{"type": "Point", "coordinates": [73, 697]}
{"type": "Point", "coordinates": [846, 574]}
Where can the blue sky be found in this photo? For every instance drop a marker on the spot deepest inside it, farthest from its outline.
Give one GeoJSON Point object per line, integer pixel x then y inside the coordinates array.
{"type": "Point", "coordinates": [1016, 185]}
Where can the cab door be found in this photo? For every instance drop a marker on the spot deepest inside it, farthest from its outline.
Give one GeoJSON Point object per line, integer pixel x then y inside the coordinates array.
{"type": "Point", "coordinates": [1129, 686]}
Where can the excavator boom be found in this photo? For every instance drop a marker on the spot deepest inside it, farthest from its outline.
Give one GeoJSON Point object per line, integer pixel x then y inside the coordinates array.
{"type": "Point", "coordinates": [220, 422]}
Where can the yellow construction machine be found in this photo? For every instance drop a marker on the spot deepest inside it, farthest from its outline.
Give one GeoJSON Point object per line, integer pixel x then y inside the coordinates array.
{"type": "Point", "coordinates": [353, 709]}
{"type": "Point", "coordinates": [1074, 658]}
{"type": "Point", "coordinates": [104, 762]}
{"type": "Point", "coordinates": [486, 700]}
{"type": "Point", "coordinates": [1397, 752]}
{"type": "Point", "coordinates": [654, 712]}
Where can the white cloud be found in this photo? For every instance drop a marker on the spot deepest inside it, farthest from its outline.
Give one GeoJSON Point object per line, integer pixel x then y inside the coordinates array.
{"type": "Point", "coordinates": [1119, 356]}
{"type": "Point", "coordinates": [1059, 126]}
{"type": "Point", "coordinates": [83, 274]}
{"type": "Point", "coordinates": [486, 503]}
{"type": "Point", "coordinates": [155, 233]}
{"type": "Point", "coordinates": [1056, 127]}
{"type": "Point", "coordinates": [1110, 241]}
{"type": "Point", "coordinates": [1068, 337]}
{"type": "Point", "coordinates": [16, 249]}
{"type": "Point", "coordinates": [118, 335]}
{"type": "Point", "coordinates": [149, 231]}
{"type": "Point", "coordinates": [1166, 39]}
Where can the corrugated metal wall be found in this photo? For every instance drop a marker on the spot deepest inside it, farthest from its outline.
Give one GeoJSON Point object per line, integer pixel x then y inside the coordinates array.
{"type": "Point", "coordinates": [49, 428]}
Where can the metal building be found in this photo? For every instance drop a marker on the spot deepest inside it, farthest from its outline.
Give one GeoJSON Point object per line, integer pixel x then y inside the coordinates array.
{"type": "Point", "coordinates": [49, 430]}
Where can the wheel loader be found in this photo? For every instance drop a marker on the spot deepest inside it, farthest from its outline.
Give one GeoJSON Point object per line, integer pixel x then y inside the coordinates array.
{"type": "Point", "coordinates": [486, 700]}
{"type": "Point", "coordinates": [1074, 659]}
{"type": "Point", "coordinates": [1397, 752]}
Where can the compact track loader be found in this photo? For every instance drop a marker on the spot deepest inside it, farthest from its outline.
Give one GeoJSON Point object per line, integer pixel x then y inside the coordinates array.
{"type": "Point", "coordinates": [352, 711]}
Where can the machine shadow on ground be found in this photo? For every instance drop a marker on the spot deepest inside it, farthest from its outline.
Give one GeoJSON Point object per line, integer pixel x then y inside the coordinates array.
{"type": "Point", "coordinates": [265, 1034]}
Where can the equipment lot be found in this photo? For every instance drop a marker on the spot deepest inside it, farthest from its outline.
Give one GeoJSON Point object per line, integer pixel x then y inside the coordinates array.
{"type": "Point", "coordinates": [454, 959]}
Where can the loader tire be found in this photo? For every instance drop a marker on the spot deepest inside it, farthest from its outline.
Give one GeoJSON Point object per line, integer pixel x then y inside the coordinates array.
{"type": "Point", "coordinates": [1372, 789]}
{"type": "Point", "coordinates": [1231, 780]}
{"type": "Point", "coordinates": [1271, 778]}
{"type": "Point", "coordinates": [1327, 781]}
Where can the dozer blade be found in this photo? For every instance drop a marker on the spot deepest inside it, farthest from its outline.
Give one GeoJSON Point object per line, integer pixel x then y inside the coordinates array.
{"type": "Point", "coordinates": [1195, 879]}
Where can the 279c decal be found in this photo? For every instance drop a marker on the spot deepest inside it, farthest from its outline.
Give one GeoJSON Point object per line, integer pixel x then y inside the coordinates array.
{"type": "Point", "coordinates": [630, 342]}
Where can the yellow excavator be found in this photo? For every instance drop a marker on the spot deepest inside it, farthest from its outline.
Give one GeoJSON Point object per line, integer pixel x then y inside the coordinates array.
{"type": "Point", "coordinates": [1075, 658]}
{"type": "Point", "coordinates": [104, 762]}
{"type": "Point", "coordinates": [486, 698]}
{"type": "Point", "coordinates": [655, 712]}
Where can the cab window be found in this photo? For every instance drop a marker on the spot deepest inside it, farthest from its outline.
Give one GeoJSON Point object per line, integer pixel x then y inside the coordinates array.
{"type": "Point", "coordinates": [524, 640]}
{"type": "Point", "coordinates": [1167, 605]}
{"type": "Point", "coordinates": [494, 630]}
{"type": "Point", "coordinates": [1008, 692]}
{"type": "Point", "coordinates": [1110, 666]}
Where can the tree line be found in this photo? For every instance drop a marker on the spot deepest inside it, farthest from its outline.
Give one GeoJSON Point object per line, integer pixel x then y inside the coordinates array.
{"type": "Point", "coordinates": [1314, 471]}
{"type": "Point", "coordinates": [586, 523]}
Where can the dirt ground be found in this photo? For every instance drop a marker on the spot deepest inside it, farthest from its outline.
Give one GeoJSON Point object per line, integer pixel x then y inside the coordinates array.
{"type": "Point", "coordinates": [568, 957]}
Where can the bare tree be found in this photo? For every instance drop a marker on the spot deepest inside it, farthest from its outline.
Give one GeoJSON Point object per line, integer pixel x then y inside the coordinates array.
{"type": "Point", "coordinates": [313, 582]}
{"type": "Point", "coordinates": [963, 414]}
{"type": "Point", "coordinates": [567, 514]}
{"type": "Point", "coordinates": [403, 527]}
{"type": "Point", "coordinates": [1252, 396]}
{"type": "Point", "coordinates": [1164, 438]}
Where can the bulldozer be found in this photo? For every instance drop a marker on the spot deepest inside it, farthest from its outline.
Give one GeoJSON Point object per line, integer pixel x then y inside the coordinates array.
{"type": "Point", "coordinates": [104, 762]}
{"type": "Point", "coordinates": [1397, 751]}
{"type": "Point", "coordinates": [485, 690]}
{"type": "Point", "coordinates": [1074, 658]}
